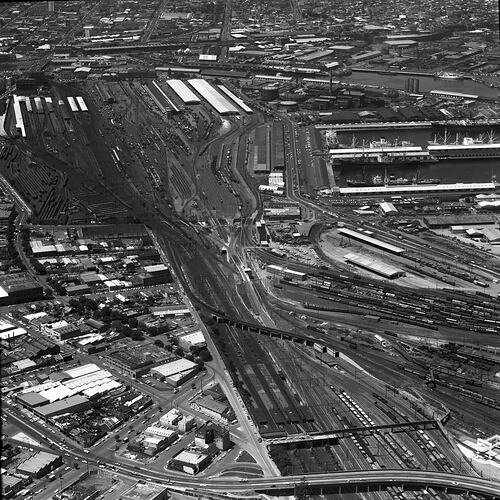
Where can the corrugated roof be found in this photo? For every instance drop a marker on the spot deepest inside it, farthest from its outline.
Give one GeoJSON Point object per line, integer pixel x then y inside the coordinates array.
{"type": "Point", "coordinates": [37, 462]}
{"type": "Point", "coordinates": [82, 370]}
{"type": "Point", "coordinates": [183, 92]}
{"type": "Point", "coordinates": [370, 240]}
{"type": "Point", "coordinates": [213, 97]}
{"type": "Point", "coordinates": [374, 265]}
{"type": "Point", "coordinates": [174, 367]}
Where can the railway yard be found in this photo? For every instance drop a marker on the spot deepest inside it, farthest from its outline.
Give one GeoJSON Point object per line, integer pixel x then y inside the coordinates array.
{"type": "Point", "coordinates": [350, 331]}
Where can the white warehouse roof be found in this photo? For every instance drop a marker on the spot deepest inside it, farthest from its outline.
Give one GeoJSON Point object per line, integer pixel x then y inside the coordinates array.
{"type": "Point", "coordinates": [235, 99]}
{"type": "Point", "coordinates": [216, 100]}
{"type": "Point", "coordinates": [370, 241]}
{"type": "Point", "coordinates": [183, 91]}
{"type": "Point", "coordinates": [373, 265]}
{"type": "Point", "coordinates": [82, 370]}
{"type": "Point", "coordinates": [174, 367]}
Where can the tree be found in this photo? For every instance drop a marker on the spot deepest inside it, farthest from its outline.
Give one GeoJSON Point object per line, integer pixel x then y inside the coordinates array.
{"type": "Point", "coordinates": [179, 351]}
{"type": "Point", "coordinates": [194, 349]}
{"type": "Point", "coordinates": [205, 355]}
{"type": "Point", "coordinates": [159, 343]}
{"type": "Point", "coordinates": [136, 335]}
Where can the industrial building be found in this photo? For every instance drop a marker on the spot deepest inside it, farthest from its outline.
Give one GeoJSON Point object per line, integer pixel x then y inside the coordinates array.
{"type": "Point", "coordinates": [11, 485]}
{"type": "Point", "coordinates": [193, 339]}
{"type": "Point", "coordinates": [71, 404]}
{"type": "Point", "coordinates": [214, 98]}
{"type": "Point", "coordinates": [387, 209]}
{"type": "Point", "coordinates": [19, 288]}
{"type": "Point", "coordinates": [157, 274]}
{"type": "Point", "coordinates": [9, 331]}
{"type": "Point", "coordinates": [134, 363]}
{"type": "Point", "coordinates": [375, 266]}
{"type": "Point", "coordinates": [235, 99]}
{"type": "Point", "coordinates": [442, 221]}
{"type": "Point", "coordinates": [190, 462]}
{"type": "Point", "coordinates": [491, 235]}
{"type": "Point", "coordinates": [176, 372]}
{"type": "Point", "coordinates": [185, 94]}
{"type": "Point", "coordinates": [39, 464]}
{"type": "Point", "coordinates": [363, 238]}
{"type": "Point", "coordinates": [213, 409]}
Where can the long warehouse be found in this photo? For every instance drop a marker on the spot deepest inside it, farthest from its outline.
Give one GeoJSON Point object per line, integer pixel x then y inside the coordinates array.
{"type": "Point", "coordinates": [216, 100]}
{"type": "Point", "coordinates": [72, 104]}
{"type": "Point", "coordinates": [424, 189]}
{"type": "Point", "coordinates": [370, 241]}
{"type": "Point", "coordinates": [172, 106]}
{"type": "Point", "coordinates": [186, 95]}
{"type": "Point", "coordinates": [81, 103]}
{"type": "Point", "coordinates": [375, 266]}
{"type": "Point", "coordinates": [236, 99]}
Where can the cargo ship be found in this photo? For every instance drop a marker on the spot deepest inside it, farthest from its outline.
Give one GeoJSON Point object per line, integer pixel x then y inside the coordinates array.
{"type": "Point", "coordinates": [382, 152]}
{"type": "Point", "coordinates": [466, 149]}
{"type": "Point", "coordinates": [446, 75]}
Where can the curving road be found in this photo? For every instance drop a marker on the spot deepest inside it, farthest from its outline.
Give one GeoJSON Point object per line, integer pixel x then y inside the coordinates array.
{"type": "Point", "coordinates": [278, 485]}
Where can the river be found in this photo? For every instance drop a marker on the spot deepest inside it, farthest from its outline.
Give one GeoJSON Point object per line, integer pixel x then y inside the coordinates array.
{"type": "Point", "coordinates": [427, 83]}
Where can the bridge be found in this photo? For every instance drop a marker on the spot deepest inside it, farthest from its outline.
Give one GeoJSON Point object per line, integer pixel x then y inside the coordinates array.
{"type": "Point", "coordinates": [377, 480]}
{"type": "Point", "coordinates": [322, 438]}
{"type": "Point", "coordinates": [299, 338]}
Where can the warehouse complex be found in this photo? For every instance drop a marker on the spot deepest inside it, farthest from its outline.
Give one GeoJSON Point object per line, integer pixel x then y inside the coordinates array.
{"type": "Point", "coordinates": [375, 266]}
{"type": "Point", "coordinates": [186, 95]}
{"type": "Point", "coordinates": [213, 97]}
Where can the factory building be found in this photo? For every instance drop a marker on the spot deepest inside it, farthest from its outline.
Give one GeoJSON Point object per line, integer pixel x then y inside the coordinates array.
{"type": "Point", "coordinates": [11, 485]}
{"type": "Point", "coordinates": [442, 221]}
{"type": "Point", "coordinates": [387, 209]}
{"type": "Point", "coordinates": [375, 266]}
{"type": "Point", "coordinates": [213, 409]}
{"type": "Point", "coordinates": [72, 404]}
{"type": "Point", "coordinates": [157, 274]}
{"type": "Point", "coordinates": [133, 363]}
{"type": "Point", "coordinates": [176, 372]}
{"type": "Point", "coordinates": [193, 339]}
{"type": "Point", "coordinates": [39, 464]}
{"type": "Point", "coordinates": [19, 288]}
{"type": "Point", "coordinates": [190, 462]}
{"type": "Point", "coordinates": [491, 235]}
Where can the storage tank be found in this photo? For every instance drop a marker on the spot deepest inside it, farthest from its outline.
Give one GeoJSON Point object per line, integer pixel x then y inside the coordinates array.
{"type": "Point", "coordinates": [269, 93]}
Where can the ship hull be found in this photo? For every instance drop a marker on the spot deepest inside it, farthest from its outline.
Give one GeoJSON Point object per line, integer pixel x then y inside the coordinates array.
{"type": "Point", "coordinates": [383, 163]}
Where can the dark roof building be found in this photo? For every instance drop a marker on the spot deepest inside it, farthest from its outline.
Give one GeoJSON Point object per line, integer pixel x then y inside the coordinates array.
{"type": "Point", "coordinates": [19, 288]}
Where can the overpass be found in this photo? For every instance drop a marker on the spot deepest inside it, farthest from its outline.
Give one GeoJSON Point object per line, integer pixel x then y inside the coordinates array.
{"type": "Point", "coordinates": [335, 482]}
{"type": "Point", "coordinates": [332, 436]}
{"type": "Point", "coordinates": [299, 338]}
{"type": "Point", "coordinates": [377, 480]}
